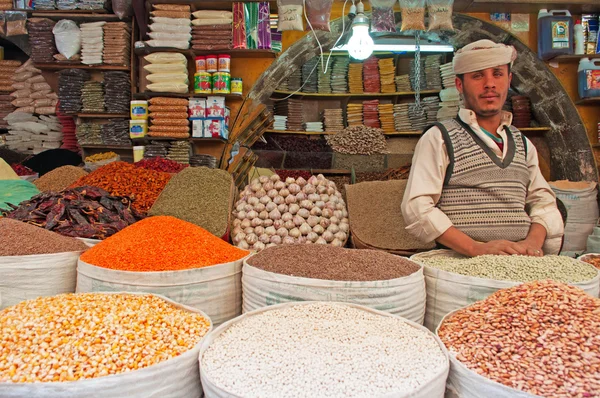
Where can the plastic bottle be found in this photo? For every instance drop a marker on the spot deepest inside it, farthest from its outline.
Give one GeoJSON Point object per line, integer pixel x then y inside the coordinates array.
{"type": "Point", "coordinates": [579, 38]}
{"type": "Point", "coordinates": [555, 33]}
{"type": "Point", "coordinates": [589, 78]}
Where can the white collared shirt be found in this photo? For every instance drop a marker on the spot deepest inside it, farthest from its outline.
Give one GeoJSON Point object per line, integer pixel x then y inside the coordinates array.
{"type": "Point", "coordinates": [430, 161]}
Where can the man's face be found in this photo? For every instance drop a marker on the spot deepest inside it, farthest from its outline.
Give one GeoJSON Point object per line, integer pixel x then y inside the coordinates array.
{"type": "Point", "coordinates": [485, 91]}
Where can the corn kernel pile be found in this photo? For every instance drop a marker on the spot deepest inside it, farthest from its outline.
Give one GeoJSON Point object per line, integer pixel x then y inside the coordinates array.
{"type": "Point", "coordinates": [81, 336]}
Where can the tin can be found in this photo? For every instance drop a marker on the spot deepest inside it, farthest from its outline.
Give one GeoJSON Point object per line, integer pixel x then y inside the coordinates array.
{"type": "Point", "coordinates": [138, 110]}
{"type": "Point", "coordinates": [138, 128]}
{"type": "Point", "coordinates": [236, 86]}
{"type": "Point", "coordinates": [202, 83]}
{"type": "Point", "coordinates": [221, 83]}
{"type": "Point", "coordinates": [224, 63]}
{"type": "Point", "coordinates": [200, 64]}
{"type": "Point", "coordinates": [212, 64]}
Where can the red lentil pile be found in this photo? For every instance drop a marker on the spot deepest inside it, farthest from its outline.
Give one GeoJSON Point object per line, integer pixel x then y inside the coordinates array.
{"type": "Point", "coordinates": [124, 179]}
{"type": "Point", "coordinates": [22, 170]}
{"type": "Point", "coordinates": [540, 337]}
{"type": "Point", "coordinates": [162, 243]}
{"type": "Point", "coordinates": [161, 164]}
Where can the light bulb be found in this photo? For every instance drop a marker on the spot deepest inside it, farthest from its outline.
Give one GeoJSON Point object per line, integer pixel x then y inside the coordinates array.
{"type": "Point", "coordinates": [360, 45]}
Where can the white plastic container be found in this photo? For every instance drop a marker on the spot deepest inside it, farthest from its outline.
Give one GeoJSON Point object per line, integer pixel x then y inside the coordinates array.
{"type": "Point", "coordinates": [579, 38]}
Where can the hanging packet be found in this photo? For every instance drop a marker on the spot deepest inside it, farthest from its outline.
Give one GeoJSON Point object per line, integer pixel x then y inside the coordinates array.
{"type": "Point", "coordinates": [382, 16]}
{"type": "Point", "coordinates": [290, 15]}
{"type": "Point", "coordinates": [67, 37]}
{"type": "Point", "coordinates": [440, 14]}
{"type": "Point", "coordinates": [318, 13]}
{"type": "Point", "coordinates": [413, 14]}
{"type": "Point", "coordinates": [16, 23]}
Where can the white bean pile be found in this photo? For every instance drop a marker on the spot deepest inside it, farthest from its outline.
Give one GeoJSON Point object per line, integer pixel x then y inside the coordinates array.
{"type": "Point", "coordinates": [322, 350]}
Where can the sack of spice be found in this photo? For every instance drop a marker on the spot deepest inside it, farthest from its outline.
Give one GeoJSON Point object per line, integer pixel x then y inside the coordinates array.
{"type": "Point", "coordinates": [15, 191]}
{"type": "Point", "coordinates": [168, 256]}
{"type": "Point", "coordinates": [35, 262]}
{"type": "Point", "coordinates": [198, 195]}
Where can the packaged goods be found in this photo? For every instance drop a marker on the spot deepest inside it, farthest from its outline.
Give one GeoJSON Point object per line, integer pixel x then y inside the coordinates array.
{"type": "Point", "coordinates": [67, 37]}
{"type": "Point", "coordinates": [492, 343]}
{"type": "Point", "coordinates": [290, 15]}
{"type": "Point", "coordinates": [440, 14]}
{"type": "Point", "coordinates": [382, 13]}
{"type": "Point", "coordinates": [123, 179]}
{"type": "Point", "coordinates": [315, 347]}
{"type": "Point", "coordinates": [166, 68]}
{"type": "Point", "coordinates": [413, 14]}
{"type": "Point", "coordinates": [310, 211]}
{"type": "Point", "coordinates": [177, 88]}
{"type": "Point", "coordinates": [166, 58]}
{"type": "Point", "coordinates": [358, 140]}
{"type": "Point", "coordinates": [139, 110]}
{"type": "Point", "coordinates": [73, 319]}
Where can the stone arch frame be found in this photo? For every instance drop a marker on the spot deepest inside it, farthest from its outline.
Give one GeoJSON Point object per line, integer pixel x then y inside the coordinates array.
{"type": "Point", "coordinates": [570, 151]}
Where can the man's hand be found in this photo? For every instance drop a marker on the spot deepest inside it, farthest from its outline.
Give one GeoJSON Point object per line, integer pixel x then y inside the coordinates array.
{"type": "Point", "coordinates": [504, 247]}
{"type": "Point", "coordinates": [531, 248]}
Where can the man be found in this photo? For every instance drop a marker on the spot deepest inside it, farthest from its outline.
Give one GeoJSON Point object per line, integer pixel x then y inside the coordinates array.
{"type": "Point", "coordinates": [475, 185]}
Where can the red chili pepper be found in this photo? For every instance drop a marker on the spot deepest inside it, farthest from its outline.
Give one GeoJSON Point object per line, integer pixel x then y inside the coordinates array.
{"type": "Point", "coordinates": [160, 164]}
{"type": "Point", "coordinates": [22, 170]}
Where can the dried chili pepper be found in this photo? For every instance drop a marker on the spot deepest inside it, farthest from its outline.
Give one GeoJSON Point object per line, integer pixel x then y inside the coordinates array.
{"type": "Point", "coordinates": [22, 170]}
{"type": "Point", "coordinates": [161, 164]}
{"type": "Point", "coordinates": [162, 243]}
{"type": "Point", "coordinates": [124, 179]}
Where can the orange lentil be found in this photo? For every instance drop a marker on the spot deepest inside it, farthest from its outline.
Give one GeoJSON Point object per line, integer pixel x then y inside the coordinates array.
{"type": "Point", "coordinates": [124, 179]}
{"type": "Point", "coordinates": [161, 243]}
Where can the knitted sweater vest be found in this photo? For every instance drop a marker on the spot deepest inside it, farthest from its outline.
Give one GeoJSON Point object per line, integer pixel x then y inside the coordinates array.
{"type": "Point", "coordinates": [483, 195]}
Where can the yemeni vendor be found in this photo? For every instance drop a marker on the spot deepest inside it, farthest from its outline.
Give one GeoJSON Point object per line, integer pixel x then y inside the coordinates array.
{"type": "Point", "coordinates": [475, 184]}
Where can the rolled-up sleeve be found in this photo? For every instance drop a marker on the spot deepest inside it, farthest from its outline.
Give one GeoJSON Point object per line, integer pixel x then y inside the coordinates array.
{"type": "Point", "coordinates": [423, 219]}
{"type": "Point", "coordinates": [540, 203]}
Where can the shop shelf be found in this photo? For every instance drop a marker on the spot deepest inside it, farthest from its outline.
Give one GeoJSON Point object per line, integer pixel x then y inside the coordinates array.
{"type": "Point", "coordinates": [102, 115]}
{"type": "Point", "coordinates": [350, 95]}
{"type": "Point", "coordinates": [588, 101]}
{"type": "Point", "coordinates": [103, 146]}
{"type": "Point", "coordinates": [241, 53]}
{"type": "Point", "coordinates": [59, 66]}
{"type": "Point", "coordinates": [396, 133]}
{"type": "Point", "coordinates": [573, 58]}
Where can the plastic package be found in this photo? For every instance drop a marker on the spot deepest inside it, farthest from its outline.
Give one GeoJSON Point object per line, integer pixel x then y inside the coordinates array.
{"type": "Point", "coordinates": [168, 115]}
{"type": "Point", "coordinates": [16, 23]}
{"type": "Point", "coordinates": [40, 94]}
{"type": "Point", "coordinates": [168, 77]}
{"type": "Point", "coordinates": [382, 16]}
{"type": "Point", "coordinates": [170, 122]}
{"type": "Point", "coordinates": [170, 36]}
{"type": "Point", "coordinates": [172, 21]}
{"type": "Point", "coordinates": [440, 14]}
{"type": "Point", "coordinates": [167, 101]}
{"type": "Point", "coordinates": [163, 27]}
{"type": "Point", "coordinates": [290, 15]}
{"type": "Point", "coordinates": [166, 68]}
{"type": "Point", "coordinates": [182, 45]}
{"type": "Point", "coordinates": [171, 14]}
{"type": "Point", "coordinates": [171, 7]}
{"type": "Point", "coordinates": [21, 94]}
{"type": "Point", "coordinates": [67, 37]}
{"type": "Point", "coordinates": [166, 58]}
{"type": "Point", "coordinates": [122, 8]}
{"type": "Point", "coordinates": [36, 79]}
{"type": "Point", "coordinates": [20, 102]}
{"type": "Point", "coordinates": [170, 129]}
{"type": "Point", "coordinates": [41, 87]}
{"type": "Point", "coordinates": [46, 110]}
{"type": "Point", "coordinates": [21, 77]}
{"type": "Point", "coordinates": [413, 14]}
{"type": "Point", "coordinates": [168, 108]}
{"type": "Point", "coordinates": [319, 14]}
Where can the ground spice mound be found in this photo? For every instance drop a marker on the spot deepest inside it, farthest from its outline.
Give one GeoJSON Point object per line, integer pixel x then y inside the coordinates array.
{"type": "Point", "coordinates": [162, 243]}
{"type": "Point", "coordinates": [124, 179]}
{"type": "Point", "coordinates": [59, 178]}
{"type": "Point", "coordinates": [332, 263]}
{"type": "Point", "coordinates": [20, 239]}
{"type": "Point", "coordinates": [540, 337]}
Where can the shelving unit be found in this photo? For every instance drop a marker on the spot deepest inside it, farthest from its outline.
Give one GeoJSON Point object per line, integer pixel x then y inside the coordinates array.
{"type": "Point", "coordinates": [103, 146]}
{"type": "Point", "coordinates": [588, 101]}
{"type": "Point", "coordinates": [101, 115]}
{"type": "Point", "coordinates": [573, 58]}
{"type": "Point", "coordinates": [525, 130]}
{"type": "Point", "coordinates": [61, 66]}
{"type": "Point", "coordinates": [239, 53]}
{"type": "Point", "coordinates": [354, 95]}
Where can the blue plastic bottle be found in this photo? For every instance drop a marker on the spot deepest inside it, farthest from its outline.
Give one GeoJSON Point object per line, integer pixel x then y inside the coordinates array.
{"type": "Point", "coordinates": [589, 78]}
{"type": "Point", "coordinates": [555, 33]}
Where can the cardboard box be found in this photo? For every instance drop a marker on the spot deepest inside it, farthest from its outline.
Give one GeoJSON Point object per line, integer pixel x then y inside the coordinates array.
{"type": "Point", "coordinates": [197, 108]}
{"type": "Point", "coordinates": [215, 107]}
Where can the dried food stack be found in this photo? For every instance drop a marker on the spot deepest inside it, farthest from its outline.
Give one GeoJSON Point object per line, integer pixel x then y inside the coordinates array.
{"type": "Point", "coordinates": [70, 86]}
{"type": "Point", "coordinates": [371, 113]}
{"type": "Point", "coordinates": [417, 71]}
{"type": "Point", "coordinates": [212, 30]}
{"type": "Point", "coordinates": [89, 134]}
{"type": "Point", "coordinates": [117, 87]}
{"type": "Point", "coordinates": [371, 80]}
{"type": "Point", "coordinates": [8, 69]}
{"type": "Point", "coordinates": [431, 106]}
{"type": "Point", "coordinates": [41, 39]}
{"type": "Point", "coordinates": [203, 160]}
{"type": "Point", "coordinates": [418, 117]}
{"type": "Point", "coordinates": [91, 4]}
{"type": "Point", "coordinates": [92, 42]}
{"type": "Point", "coordinates": [358, 140]}
{"type": "Point", "coordinates": [167, 72]}
{"type": "Point", "coordinates": [169, 117]}
{"type": "Point", "coordinates": [179, 151]}
{"type": "Point", "coordinates": [387, 72]}
{"type": "Point", "coordinates": [33, 134]}
{"type": "Point", "coordinates": [333, 120]}
{"type": "Point", "coordinates": [117, 43]}
{"type": "Point", "coordinates": [386, 117]}
{"type": "Point", "coordinates": [68, 129]}
{"type": "Point", "coordinates": [401, 118]}
{"type": "Point", "coordinates": [355, 78]}
{"type": "Point", "coordinates": [294, 81]}
{"type": "Point", "coordinates": [66, 5]}
{"type": "Point", "coordinates": [45, 5]}
{"type": "Point", "coordinates": [339, 75]}
{"type": "Point", "coordinates": [280, 122]}
{"type": "Point", "coordinates": [521, 109]}
{"type": "Point", "coordinates": [309, 76]}
{"type": "Point", "coordinates": [354, 114]}
{"type": "Point", "coordinates": [403, 83]}
{"type": "Point", "coordinates": [92, 97]}
{"type": "Point", "coordinates": [293, 109]}
{"type": "Point", "coordinates": [156, 149]}
{"type": "Point", "coordinates": [115, 132]}
{"type": "Point", "coordinates": [449, 96]}
{"type": "Point", "coordinates": [32, 93]}
{"type": "Point", "coordinates": [324, 78]}
{"type": "Point", "coordinates": [170, 28]}
{"type": "Point", "coordinates": [432, 72]}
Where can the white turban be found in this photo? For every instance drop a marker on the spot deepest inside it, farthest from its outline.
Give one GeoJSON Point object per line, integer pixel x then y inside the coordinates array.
{"type": "Point", "coordinates": [482, 54]}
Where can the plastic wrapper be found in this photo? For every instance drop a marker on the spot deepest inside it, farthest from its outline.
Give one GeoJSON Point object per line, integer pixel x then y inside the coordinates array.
{"type": "Point", "coordinates": [42, 102]}
{"type": "Point", "coordinates": [122, 8]}
{"type": "Point", "coordinates": [166, 68]}
{"type": "Point", "coordinates": [21, 94]}
{"type": "Point", "coordinates": [168, 108]}
{"type": "Point", "coordinates": [170, 36]}
{"type": "Point", "coordinates": [16, 23]}
{"type": "Point", "coordinates": [290, 15]}
{"type": "Point", "coordinates": [21, 77]}
{"type": "Point", "coordinates": [46, 110]}
{"type": "Point", "coordinates": [36, 79]}
{"type": "Point", "coordinates": [264, 26]}
{"type": "Point", "coordinates": [25, 109]}
{"type": "Point", "coordinates": [171, 129]}
{"type": "Point", "coordinates": [39, 94]}
{"type": "Point", "coordinates": [41, 87]}
{"type": "Point", "coordinates": [166, 58]}
{"type": "Point", "coordinates": [251, 16]}
{"type": "Point", "coordinates": [21, 86]}
{"type": "Point", "coordinates": [440, 14]}
{"type": "Point", "coordinates": [319, 14]}
{"type": "Point", "coordinates": [168, 115]}
{"type": "Point", "coordinates": [168, 134]}
{"type": "Point", "coordinates": [21, 102]}
{"type": "Point", "coordinates": [182, 45]}
{"type": "Point", "coordinates": [167, 101]}
{"type": "Point", "coordinates": [67, 37]}
{"type": "Point", "coordinates": [168, 78]}
{"type": "Point", "coordinates": [172, 21]}
{"type": "Point", "coordinates": [163, 27]}
{"type": "Point", "coordinates": [382, 16]}
{"type": "Point", "coordinates": [413, 14]}
{"type": "Point", "coordinates": [170, 122]}
{"type": "Point", "coordinates": [204, 47]}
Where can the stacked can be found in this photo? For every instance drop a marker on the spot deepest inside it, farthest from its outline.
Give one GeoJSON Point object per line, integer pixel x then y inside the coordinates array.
{"type": "Point", "coordinates": [213, 76]}
{"type": "Point", "coordinates": [138, 125]}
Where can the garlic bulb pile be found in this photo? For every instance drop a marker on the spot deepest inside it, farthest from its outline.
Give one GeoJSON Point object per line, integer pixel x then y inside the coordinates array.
{"type": "Point", "coordinates": [272, 212]}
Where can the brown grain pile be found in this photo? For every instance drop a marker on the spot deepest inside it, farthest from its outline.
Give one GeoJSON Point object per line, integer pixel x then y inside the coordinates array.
{"type": "Point", "coordinates": [332, 263]}
{"type": "Point", "coordinates": [59, 178]}
{"type": "Point", "coordinates": [376, 218]}
{"type": "Point", "coordinates": [20, 239]}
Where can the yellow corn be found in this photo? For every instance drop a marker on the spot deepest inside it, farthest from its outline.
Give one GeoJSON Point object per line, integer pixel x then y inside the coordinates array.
{"type": "Point", "coordinates": [82, 336]}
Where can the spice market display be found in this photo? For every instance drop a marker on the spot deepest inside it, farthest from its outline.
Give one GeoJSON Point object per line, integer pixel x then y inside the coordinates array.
{"type": "Point", "coordinates": [201, 192]}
